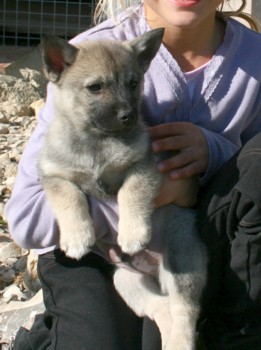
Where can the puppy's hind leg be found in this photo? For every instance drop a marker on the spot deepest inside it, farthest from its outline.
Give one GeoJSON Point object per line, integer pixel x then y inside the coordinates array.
{"type": "Point", "coordinates": [183, 276]}
{"type": "Point", "coordinates": [143, 296]}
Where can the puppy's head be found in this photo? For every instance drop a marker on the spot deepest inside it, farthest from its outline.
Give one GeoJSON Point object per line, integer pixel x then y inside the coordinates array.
{"type": "Point", "coordinates": [98, 83]}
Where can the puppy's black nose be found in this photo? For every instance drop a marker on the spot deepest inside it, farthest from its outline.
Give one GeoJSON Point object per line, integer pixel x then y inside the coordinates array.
{"type": "Point", "coordinates": [126, 116]}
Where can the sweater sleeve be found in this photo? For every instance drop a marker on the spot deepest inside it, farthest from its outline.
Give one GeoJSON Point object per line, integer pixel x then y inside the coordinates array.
{"type": "Point", "coordinates": [242, 122]}
{"type": "Point", "coordinates": [220, 151]}
{"type": "Point", "coordinates": [30, 218]}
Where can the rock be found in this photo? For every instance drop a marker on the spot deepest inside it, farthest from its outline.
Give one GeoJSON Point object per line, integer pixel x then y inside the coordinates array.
{"type": "Point", "coordinates": [16, 314]}
{"type": "Point", "coordinates": [31, 281]}
{"type": "Point", "coordinates": [1, 207]}
{"type": "Point", "coordinates": [10, 262]}
{"type": "Point", "coordinates": [10, 182]}
{"type": "Point", "coordinates": [10, 250]}
{"type": "Point", "coordinates": [11, 168]}
{"type": "Point", "coordinates": [4, 129]}
{"type": "Point", "coordinates": [20, 264]}
{"type": "Point", "coordinates": [21, 98]}
{"type": "Point", "coordinates": [17, 94]}
{"type": "Point", "coordinates": [37, 106]}
{"type": "Point", "coordinates": [14, 293]}
{"type": "Point", "coordinates": [4, 159]}
{"type": "Point", "coordinates": [7, 275]}
{"type": "Point", "coordinates": [3, 118]}
{"type": "Point", "coordinates": [4, 239]}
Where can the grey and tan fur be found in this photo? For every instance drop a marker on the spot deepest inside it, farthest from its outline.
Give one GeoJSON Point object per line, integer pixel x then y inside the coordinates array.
{"type": "Point", "coordinates": [97, 144]}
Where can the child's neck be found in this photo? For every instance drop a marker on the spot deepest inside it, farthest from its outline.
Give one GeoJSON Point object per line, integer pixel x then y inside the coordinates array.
{"type": "Point", "coordinates": [192, 47]}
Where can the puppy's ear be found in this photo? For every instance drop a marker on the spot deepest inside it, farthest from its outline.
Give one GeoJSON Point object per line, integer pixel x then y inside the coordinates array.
{"type": "Point", "coordinates": [146, 46]}
{"type": "Point", "coordinates": [57, 55]}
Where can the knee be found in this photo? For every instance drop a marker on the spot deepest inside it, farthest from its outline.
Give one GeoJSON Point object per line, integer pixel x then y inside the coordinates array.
{"type": "Point", "coordinates": [253, 145]}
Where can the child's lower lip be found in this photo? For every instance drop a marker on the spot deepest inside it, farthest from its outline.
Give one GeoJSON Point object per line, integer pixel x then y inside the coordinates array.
{"type": "Point", "coordinates": [185, 3]}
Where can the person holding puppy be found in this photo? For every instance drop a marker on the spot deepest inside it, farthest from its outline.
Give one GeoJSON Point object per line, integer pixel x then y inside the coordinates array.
{"type": "Point", "coordinates": [202, 101]}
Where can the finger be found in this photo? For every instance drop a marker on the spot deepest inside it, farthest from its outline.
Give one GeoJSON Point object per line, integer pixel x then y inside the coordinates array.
{"type": "Point", "coordinates": [169, 144]}
{"type": "Point", "coordinates": [178, 161]}
{"type": "Point", "coordinates": [168, 129]}
{"type": "Point", "coordinates": [189, 170]}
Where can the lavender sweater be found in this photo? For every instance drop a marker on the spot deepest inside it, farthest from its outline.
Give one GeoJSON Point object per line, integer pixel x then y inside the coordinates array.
{"type": "Point", "coordinates": [226, 105]}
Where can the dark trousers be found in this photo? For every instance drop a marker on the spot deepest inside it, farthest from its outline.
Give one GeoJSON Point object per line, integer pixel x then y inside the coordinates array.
{"type": "Point", "coordinates": [84, 311]}
{"type": "Point", "coordinates": [229, 214]}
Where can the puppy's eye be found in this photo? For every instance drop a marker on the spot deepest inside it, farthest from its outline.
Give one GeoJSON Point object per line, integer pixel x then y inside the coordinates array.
{"type": "Point", "coordinates": [94, 87]}
{"type": "Point", "coordinates": [133, 84]}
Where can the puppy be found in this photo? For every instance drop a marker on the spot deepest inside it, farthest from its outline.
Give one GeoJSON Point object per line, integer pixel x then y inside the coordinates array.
{"type": "Point", "coordinates": [97, 144]}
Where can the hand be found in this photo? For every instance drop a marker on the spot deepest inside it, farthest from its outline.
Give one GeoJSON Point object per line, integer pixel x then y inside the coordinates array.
{"type": "Point", "coordinates": [181, 192]}
{"type": "Point", "coordinates": [191, 144]}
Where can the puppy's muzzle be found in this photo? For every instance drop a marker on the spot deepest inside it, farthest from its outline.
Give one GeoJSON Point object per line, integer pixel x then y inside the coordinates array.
{"type": "Point", "coordinates": [127, 117]}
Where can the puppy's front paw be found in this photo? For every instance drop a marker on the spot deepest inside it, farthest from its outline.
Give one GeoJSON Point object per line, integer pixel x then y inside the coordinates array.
{"type": "Point", "coordinates": [135, 239]}
{"type": "Point", "coordinates": [77, 243]}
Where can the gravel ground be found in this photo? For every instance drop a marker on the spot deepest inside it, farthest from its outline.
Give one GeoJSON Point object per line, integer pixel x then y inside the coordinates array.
{"type": "Point", "coordinates": [20, 100]}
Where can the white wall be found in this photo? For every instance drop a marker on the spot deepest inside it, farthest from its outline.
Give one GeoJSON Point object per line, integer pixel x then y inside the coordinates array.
{"type": "Point", "coordinates": [253, 7]}
{"type": "Point", "coordinates": [234, 4]}
{"type": "Point", "coordinates": [249, 6]}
